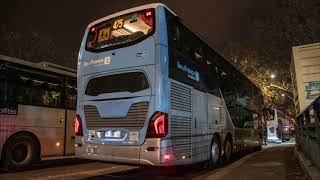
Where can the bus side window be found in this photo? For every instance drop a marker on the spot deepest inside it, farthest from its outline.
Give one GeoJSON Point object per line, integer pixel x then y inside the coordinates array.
{"type": "Point", "coordinates": [2, 87]}
{"type": "Point", "coordinates": [71, 94]}
{"type": "Point", "coordinates": [174, 31]}
{"type": "Point", "coordinates": [11, 86]}
{"type": "Point", "coordinates": [36, 89]}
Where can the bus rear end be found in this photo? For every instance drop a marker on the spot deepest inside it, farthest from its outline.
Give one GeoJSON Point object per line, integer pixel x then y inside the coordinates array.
{"type": "Point", "coordinates": [122, 88]}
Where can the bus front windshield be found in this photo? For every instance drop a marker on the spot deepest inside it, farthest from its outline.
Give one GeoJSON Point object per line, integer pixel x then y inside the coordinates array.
{"type": "Point", "coordinates": [121, 30]}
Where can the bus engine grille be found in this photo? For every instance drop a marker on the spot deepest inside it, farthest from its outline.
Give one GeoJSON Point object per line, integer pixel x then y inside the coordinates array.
{"type": "Point", "coordinates": [180, 97]}
{"type": "Point", "coordinates": [181, 129]}
{"type": "Point", "coordinates": [134, 121]}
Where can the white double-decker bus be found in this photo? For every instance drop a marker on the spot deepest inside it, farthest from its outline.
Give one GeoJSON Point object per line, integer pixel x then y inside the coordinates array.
{"type": "Point", "coordinates": [151, 92]}
{"type": "Point", "coordinates": [37, 109]}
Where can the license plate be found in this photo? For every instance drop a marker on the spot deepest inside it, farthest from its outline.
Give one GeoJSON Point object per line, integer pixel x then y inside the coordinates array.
{"type": "Point", "coordinates": [112, 134]}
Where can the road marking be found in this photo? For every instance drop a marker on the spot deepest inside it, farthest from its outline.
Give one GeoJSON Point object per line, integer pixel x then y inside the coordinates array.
{"type": "Point", "coordinates": [83, 173]}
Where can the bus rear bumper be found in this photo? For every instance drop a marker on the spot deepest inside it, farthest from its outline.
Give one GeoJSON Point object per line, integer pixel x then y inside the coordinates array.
{"type": "Point", "coordinates": [137, 155]}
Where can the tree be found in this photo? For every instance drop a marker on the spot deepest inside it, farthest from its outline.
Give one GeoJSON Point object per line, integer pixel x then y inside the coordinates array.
{"type": "Point", "coordinates": [29, 46]}
{"type": "Point", "coordinates": [269, 51]}
{"type": "Point", "coordinates": [258, 69]}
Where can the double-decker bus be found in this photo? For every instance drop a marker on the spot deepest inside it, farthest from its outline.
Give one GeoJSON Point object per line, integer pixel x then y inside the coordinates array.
{"type": "Point", "coordinates": [152, 92]}
{"type": "Point", "coordinates": [37, 109]}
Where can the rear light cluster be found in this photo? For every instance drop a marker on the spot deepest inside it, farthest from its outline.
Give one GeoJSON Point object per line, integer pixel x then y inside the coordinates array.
{"type": "Point", "coordinates": [78, 126]}
{"type": "Point", "coordinates": [158, 125]}
{"type": "Point", "coordinates": [167, 157]}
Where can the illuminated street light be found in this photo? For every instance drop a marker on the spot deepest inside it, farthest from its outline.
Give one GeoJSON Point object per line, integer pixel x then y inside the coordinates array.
{"type": "Point", "coordinates": [287, 96]}
{"type": "Point", "coordinates": [272, 76]}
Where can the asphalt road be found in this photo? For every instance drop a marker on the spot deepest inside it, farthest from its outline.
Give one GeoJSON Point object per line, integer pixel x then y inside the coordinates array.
{"type": "Point", "coordinates": [276, 162]}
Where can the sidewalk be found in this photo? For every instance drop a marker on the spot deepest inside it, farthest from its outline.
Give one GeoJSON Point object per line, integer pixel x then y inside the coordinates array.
{"type": "Point", "coordinates": [276, 162]}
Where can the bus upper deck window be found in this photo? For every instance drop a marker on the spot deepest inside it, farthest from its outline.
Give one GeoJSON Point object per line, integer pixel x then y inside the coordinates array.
{"type": "Point", "coordinates": [121, 31]}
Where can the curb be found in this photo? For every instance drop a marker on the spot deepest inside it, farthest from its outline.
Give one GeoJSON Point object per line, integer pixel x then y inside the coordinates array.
{"type": "Point", "coordinates": [312, 172]}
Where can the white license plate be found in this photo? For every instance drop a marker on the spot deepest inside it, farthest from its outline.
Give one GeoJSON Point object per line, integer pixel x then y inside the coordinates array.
{"type": "Point", "coordinates": [112, 134]}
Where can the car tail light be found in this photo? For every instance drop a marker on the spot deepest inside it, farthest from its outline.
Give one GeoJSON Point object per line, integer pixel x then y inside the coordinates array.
{"type": "Point", "coordinates": [78, 126]}
{"type": "Point", "coordinates": [158, 125]}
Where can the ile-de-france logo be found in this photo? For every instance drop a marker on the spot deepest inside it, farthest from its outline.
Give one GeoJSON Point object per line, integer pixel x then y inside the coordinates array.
{"type": "Point", "coordinates": [192, 74]}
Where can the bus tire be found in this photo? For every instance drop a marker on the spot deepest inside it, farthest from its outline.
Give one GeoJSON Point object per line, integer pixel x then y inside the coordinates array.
{"type": "Point", "coordinates": [228, 150]}
{"type": "Point", "coordinates": [20, 152]}
{"type": "Point", "coordinates": [215, 152]}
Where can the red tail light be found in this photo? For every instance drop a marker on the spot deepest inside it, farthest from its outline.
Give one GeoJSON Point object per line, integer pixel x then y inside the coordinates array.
{"type": "Point", "coordinates": [92, 36]}
{"type": "Point", "coordinates": [148, 13]}
{"type": "Point", "coordinates": [93, 29]}
{"type": "Point", "coordinates": [78, 126]}
{"type": "Point", "coordinates": [167, 157]}
{"type": "Point", "coordinates": [158, 125]}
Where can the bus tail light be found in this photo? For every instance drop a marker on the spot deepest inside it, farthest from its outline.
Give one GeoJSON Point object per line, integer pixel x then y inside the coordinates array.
{"type": "Point", "coordinates": [158, 125]}
{"type": "Point", "coordinates": [167, 157]}
{"type": "Point", "coordinates": [78, 126]}
{"type": "Point", "coordinates": [148, 13]}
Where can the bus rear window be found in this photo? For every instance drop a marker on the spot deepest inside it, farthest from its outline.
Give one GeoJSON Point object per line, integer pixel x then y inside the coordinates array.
{"type": "Point", "coordinates": [125, 82]}
{"type": "Point", "coordinates": [121, 31]}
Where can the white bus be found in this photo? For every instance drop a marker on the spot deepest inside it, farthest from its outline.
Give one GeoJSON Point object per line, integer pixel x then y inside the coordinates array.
{"type": "Point", "coordinates": [273, 126]}
{"type": "Point", "coordinates": [278, 126]}
{"type": "Point", "coordinates": [151, 92]}
{"type": "Point", "coordinates": [37, 109]}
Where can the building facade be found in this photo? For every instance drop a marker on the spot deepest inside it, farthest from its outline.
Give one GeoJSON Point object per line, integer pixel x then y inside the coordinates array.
{"type": "Point", "coordinates": [305, 73]}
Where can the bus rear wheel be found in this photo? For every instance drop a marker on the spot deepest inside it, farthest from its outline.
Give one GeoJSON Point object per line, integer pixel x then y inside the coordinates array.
{"type": "Point", "coordinates": [19, 152]}
{"type": "Point", "coordinates": [214, 153]}
{"type": "Point", "coordinates": [227, 150]}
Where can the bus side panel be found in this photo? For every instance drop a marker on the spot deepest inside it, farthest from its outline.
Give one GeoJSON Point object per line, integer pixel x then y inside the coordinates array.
{"type": "Point", "coordinates": [200, 137]}
{"type": "Point", "coordinates": [70, 136]}
{"type": "Point", "coordinates": [180, 125]}
{"type": "Point", "coordinates": [47, 124]}
{"type": "Point", "coordinates": [216, 117]}
{"type": "Point", "coordinates": [6, 128]}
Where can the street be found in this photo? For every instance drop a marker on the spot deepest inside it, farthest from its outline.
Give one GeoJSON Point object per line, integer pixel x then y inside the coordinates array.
{"type": "Point", "coordinates": [273, 162]}
{"type": "Point", "coordinates": [160, 90]}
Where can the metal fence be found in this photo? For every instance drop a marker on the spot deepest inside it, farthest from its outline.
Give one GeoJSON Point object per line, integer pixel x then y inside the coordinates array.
{"type": "Point", "coordinates": [308, 132]}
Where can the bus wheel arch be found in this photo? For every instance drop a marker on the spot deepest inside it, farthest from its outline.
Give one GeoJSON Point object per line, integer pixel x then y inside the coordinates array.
{"type": "Point", "coordinates": [28, 146]}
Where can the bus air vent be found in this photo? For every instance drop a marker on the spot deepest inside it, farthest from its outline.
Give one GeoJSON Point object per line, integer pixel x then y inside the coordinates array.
{"type": "Point", "coordinates": [134, 120]}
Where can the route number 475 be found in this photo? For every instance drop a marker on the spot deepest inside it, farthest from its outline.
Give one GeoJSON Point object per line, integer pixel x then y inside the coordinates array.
{"type": "Point", "coordinates": [118, 24]}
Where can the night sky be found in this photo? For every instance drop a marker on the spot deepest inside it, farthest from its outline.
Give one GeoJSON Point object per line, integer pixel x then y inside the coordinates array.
{"type": "Point", "coordinates": [63, 23]}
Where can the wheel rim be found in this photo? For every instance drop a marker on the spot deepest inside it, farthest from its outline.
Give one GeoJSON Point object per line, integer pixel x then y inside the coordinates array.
{"type": "Point", "coordinates": [215, 152]}
{"type": "Point", "coordinates": [20, 152]}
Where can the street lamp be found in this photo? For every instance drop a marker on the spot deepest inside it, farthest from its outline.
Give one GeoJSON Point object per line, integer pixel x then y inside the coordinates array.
{"type": "Point", "coordinates": [288, 96]}
{"type": "Point", "coordinates": [272, 76]}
